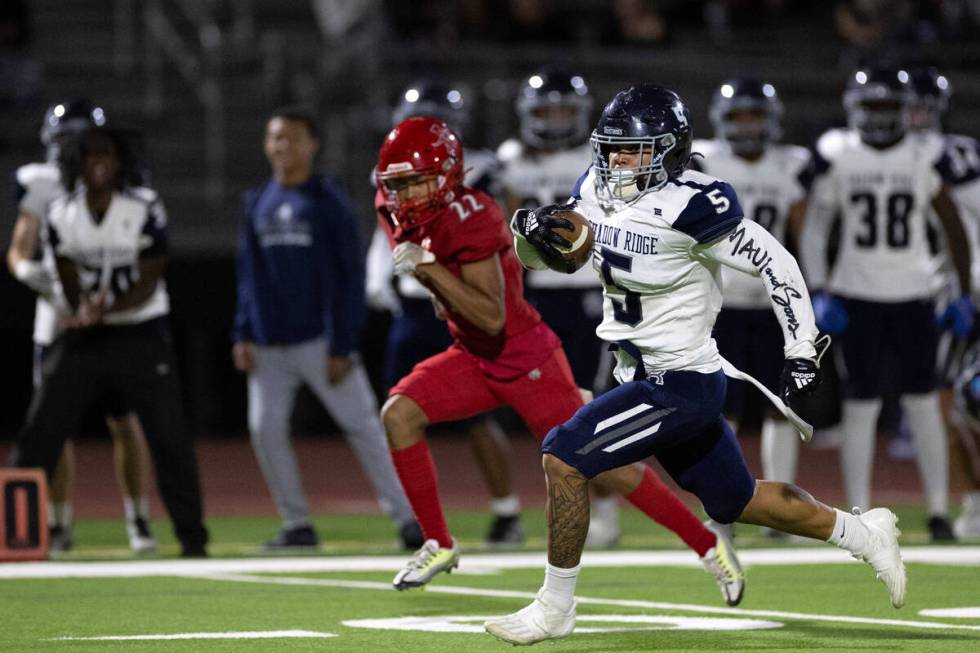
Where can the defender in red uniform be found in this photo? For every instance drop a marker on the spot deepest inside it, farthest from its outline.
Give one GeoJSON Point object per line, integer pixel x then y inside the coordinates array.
{"type": "Point", "coordinates": [455, 241]}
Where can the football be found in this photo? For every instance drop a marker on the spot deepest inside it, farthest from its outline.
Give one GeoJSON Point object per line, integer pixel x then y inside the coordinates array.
{"type": "Point", "coordinates": [581, 236]}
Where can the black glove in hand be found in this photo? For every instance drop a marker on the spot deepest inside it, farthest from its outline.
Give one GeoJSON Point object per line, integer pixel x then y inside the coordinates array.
{"type": "Point", "coordinates": [535, 226]}
{"type": "Point", "coordinates": [800, 377]}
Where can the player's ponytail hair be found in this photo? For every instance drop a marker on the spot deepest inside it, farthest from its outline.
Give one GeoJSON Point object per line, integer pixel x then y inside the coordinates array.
{"type": "Point", "coordinates": [130, 173]}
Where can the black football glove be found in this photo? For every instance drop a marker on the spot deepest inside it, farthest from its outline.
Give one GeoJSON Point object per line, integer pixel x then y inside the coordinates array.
{"type": "Point", "coordinates": [801, 376]}
{"type": "Point", "coordinates": [536, 225]}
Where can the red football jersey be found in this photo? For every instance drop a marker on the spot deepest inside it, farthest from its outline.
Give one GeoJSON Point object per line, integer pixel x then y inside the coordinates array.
{"type": "Point", "coordinates": [471, 229]}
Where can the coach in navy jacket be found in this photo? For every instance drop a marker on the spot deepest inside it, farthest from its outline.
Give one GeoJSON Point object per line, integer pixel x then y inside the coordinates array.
{"type": "Point", "coordinates": [300, 309]}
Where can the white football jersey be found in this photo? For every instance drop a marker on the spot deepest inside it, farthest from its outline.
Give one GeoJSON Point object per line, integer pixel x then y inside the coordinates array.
{"type": "Point", "coordinates": [37, 185]}
{"type": "Point", "coordinates": [883, 197]}
{"type": "Point", "coordinates": [658, 259]}
{"type": "Point", "coordinates": [539, 179]}
{"type": "Point", "coordinates": [766, 188]}
{"type": "Point", "coordinates": [961, 170]}
{"type": "Point", "coordinates": [107, 253]}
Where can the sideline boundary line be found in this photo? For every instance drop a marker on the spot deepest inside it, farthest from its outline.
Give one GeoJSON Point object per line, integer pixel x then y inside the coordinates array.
{"type": "Point", "coordinates": [584, 600]}
{"type": "Point", "coordinates": [476, 563]}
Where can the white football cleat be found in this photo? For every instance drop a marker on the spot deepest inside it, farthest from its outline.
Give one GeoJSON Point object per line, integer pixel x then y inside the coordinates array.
{"type": "Point", "coordinates": [428, 561]}
{"type": "Point", "coordinates": [535, 623]}
{"type": "Point", "coordinates": [722, 562]}
{"type": "Point", "coordinates": [603, 524]}
{"type": "Point", "coordinates": [967, 525]}
{"type": "Point", "coordinates": [882, 552]}
{"type": "Point", "coordinates": [141, 540]}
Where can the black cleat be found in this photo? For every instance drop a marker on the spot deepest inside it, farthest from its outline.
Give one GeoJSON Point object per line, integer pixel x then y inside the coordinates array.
{"type": "Point", "coordinates": [505, 531]}
{"type": "Point", "coordinates": [300, 537]}
{"type": "Point", "coordinates": [940, 529]}
{"type": "Point", "coordinates": [60, 538]}
{"type": "Point", "coordinates": [411, 536]}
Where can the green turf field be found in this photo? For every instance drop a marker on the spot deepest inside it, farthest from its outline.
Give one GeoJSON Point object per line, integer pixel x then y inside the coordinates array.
{"type": "Point", "coordinates": [640, 597]}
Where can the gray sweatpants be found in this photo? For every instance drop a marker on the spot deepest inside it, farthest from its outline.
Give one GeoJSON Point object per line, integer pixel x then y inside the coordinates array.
{"type": "Point", "coordinates": [272, 386]}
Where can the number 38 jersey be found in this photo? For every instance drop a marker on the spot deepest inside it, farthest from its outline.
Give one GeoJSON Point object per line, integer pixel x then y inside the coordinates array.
{"type": "Point", "coordinates": [883, 197]}
{"type": "Point", "coordinates": [766, 188]}
{"type": "Point", "coordinates": [658, 292]}
{"type": "Point", "coordinates": [107, 253]}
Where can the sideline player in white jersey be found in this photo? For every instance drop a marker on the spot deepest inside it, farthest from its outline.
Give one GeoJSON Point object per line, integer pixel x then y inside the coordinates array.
{"type": "Point", "coordinates": [881, 292]}
{"type": "Point", "coordinates": [771, 180]}
{"type": "Point", "coordinates": [108, 238]}
{"type": "Point", "coordinates": [662, 234]}
{"type": "Point", "coordinates": [32, 263]}
{"type": "Point", "coordinates": [416, 333]}
{"type": "Point", "coordinates": [932, 93]}
{"type": "Point", "coordinates": [540, 168]}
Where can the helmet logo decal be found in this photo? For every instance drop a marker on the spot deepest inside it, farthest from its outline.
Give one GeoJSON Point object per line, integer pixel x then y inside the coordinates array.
{"type": "Point", "coordinates": [444, 137]}
{"type": "Point", "coordinates": [612, 130]}
{"type": "Point", "coordinates": [679, 113]}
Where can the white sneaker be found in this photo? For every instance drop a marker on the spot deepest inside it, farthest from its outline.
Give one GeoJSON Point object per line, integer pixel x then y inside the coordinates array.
{"type": "Point", "coordinates": [141, 540]}
{"type": "Point", "coordinates": [535, 623]}
{"type": "Point", "coordinates": [603, 524]}
{"type": "Point", "coordinates": [882, 552]}
{"type": "Point", "coordinates": [722, 563]}
{"type": "Point", "coordinates": [967, 525]}
{"type": "Point", "coordinates": [428, 561]}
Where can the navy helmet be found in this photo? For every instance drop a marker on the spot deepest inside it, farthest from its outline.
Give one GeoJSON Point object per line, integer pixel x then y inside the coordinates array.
{"type": "Point", "coordinates": [746, 94]}
{"type": "Point", "coordinates": [654, 122]}
{"type": "Point", "coordinates": [435, 98]}
{"type": "Point", "coordinates": [931, 92]}
{"type": "Point", "coordinates": [877, 101]}
{"type": "Point", "coordinates": [553, 107]}
{"type": "Point", "coordinates": [67, 118]}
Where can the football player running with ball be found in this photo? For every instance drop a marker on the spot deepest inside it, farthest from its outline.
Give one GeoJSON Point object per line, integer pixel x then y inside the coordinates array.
{"type": "Point", "coordinates": [659, 306]}
{"type": "Point", "coordinates": [454, 240]}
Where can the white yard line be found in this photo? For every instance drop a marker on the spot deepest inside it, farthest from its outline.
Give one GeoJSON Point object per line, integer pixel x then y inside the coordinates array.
{"type": "Point", "coordinates": [247, 634]}
{"type": "Point", "coordinates": [583, 600]}
{"type": "Point", "coordinates": [477, 563]}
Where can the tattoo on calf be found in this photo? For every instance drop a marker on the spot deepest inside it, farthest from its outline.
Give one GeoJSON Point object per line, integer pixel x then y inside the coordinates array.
{"type": "Point", "coordinates": [568, 520]}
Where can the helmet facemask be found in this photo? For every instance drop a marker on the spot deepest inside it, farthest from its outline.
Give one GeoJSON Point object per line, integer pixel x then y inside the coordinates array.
{"type": "Point", "coordinates": [880, 116]}
{"type": "Point", "coordinates": [554, 124]}
{"type": "Point", "coordinates": [748, 129]}
{"type": "Point", "coordinates": [628, 184]}
{"type": "Point", "coordinates": [409, 205]}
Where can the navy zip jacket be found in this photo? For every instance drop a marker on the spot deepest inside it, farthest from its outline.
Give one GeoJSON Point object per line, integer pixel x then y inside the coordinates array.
{"type": "Point", "coordinates": [300, 267]}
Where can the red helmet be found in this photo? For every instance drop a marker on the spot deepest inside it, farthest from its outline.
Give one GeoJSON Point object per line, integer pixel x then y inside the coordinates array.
{"type": "Point", "coordinates": [416, 147]}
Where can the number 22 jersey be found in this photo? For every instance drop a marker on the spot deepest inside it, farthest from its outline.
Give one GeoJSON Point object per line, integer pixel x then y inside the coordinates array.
{"type": "Point", "coordinates": [470, 229]}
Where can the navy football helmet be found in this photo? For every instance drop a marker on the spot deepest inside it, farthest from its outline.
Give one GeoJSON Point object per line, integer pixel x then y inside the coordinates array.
{"type": "Point", "coordinates": [650, 121]}
{"type": "Point", "coordinates": [432, 97]}
{"type": "Point", "coordinates": [554, 107]}
{"type": "Point", "coordinates": [746, 95]}
{"type": "Point", "coordinates": [67, 118]}
{"type": "Point", "coordinates": [877, 102]}
{"type": "Point", "coordinates": [931, 93]}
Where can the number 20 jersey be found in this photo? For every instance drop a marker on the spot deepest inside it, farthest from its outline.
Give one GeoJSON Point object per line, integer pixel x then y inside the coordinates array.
{"type": "Point", "coordinates": [766, 188]}
{"type": "Point", "coordinates": [883, 197]}
{"type": "Point", "coordinates": [659, 291]}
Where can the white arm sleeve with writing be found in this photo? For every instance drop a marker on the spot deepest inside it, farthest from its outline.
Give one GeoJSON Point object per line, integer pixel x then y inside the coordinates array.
{"type": "Point", "coordinates": [753, 250]}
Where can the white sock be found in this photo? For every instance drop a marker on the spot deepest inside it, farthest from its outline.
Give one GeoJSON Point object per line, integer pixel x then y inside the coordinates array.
{"type": "Point", "coordinates": [59, 514]}
{"type": "Point", "coordinates": [857, 448]}
{"type": "Point", "coordinates": [780, 450]}
{"type": "Point", "coordinates": [136, 507]}
{"type": "Point", "coordinates": [929, 434]}
{"type": "Point", "coordinates": [559, 586]}
{"type": "Point", "coordinates": [849, 533]}
{"type": "Point", "coordinates": [507, 506]}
